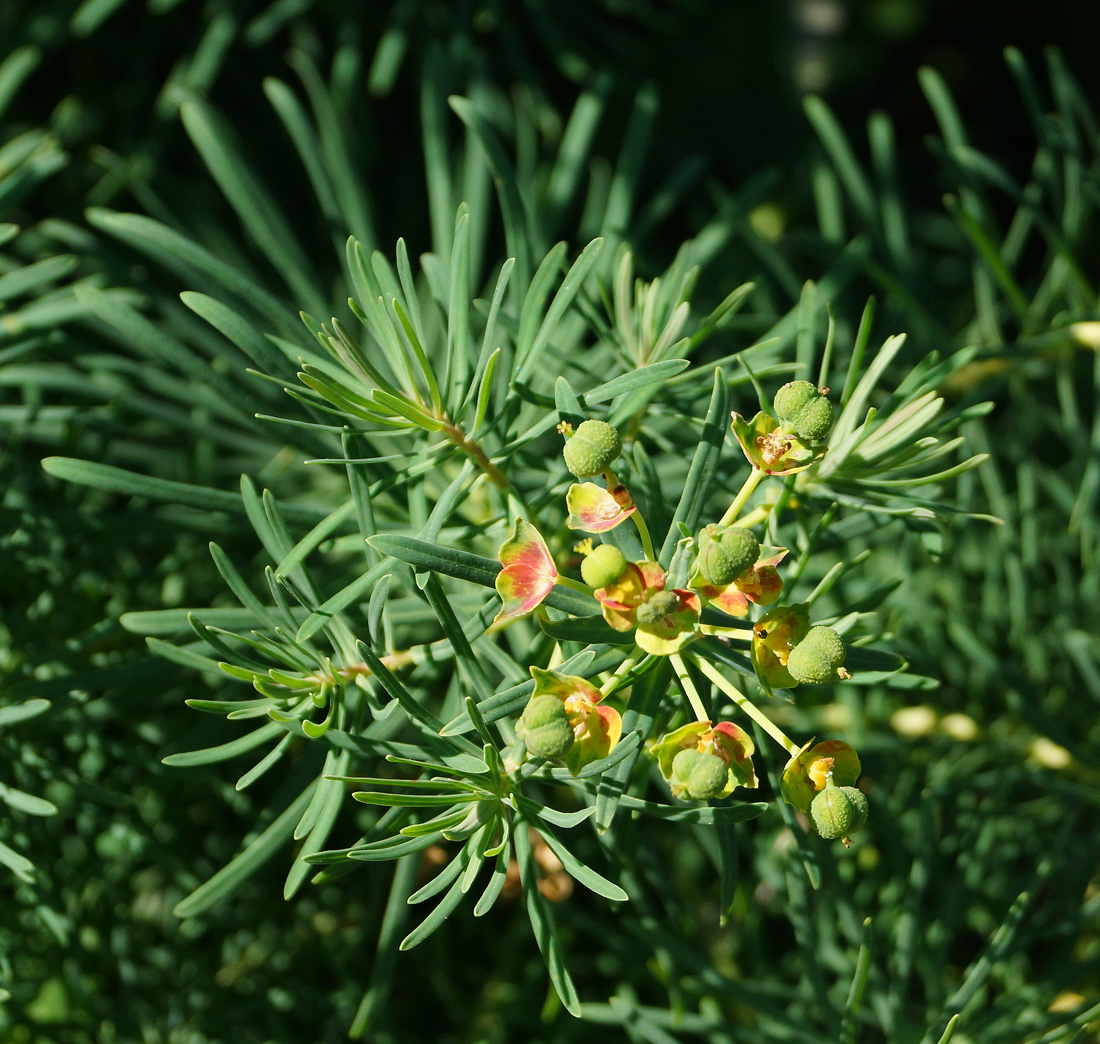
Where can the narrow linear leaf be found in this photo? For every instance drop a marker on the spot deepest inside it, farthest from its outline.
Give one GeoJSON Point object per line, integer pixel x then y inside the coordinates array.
{"type": "Point", "coordinates": [227, 880]}
{"type": "Point", "coordinates": [703, 463]}
{"type": "Point", "coordinates": [385, 960]}
{"type": "Point", "coordinates": [225, 751]}
{"type": "Point", "coordinates": [542, 926]}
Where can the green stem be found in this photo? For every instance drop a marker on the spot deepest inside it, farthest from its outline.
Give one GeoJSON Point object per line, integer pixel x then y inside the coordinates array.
{"type": "Point", "coordinates": [747, 706]}
{"type": "Point", "coordinates": [621, 672]}
{"type": "Point", "coordinates": [737, 634]}
{"type": "Point", "coordinates": [742, 497]}
{"type": "Point", "coordinates": [688, 686]}
{"type": "Point", "coordinates": [758, 514]}
{"type": "Point", "coordinates": [643, 532]}
{"type": "Point", "coordinates": [574, 585]}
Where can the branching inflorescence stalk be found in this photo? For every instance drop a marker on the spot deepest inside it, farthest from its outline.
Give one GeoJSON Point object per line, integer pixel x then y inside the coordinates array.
{"type": "Point", "coordinates": [747, 705]}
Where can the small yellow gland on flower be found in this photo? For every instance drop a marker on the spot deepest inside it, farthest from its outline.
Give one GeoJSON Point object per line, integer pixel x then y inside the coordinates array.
{"type": "Point", "coordinates": [591, 449]}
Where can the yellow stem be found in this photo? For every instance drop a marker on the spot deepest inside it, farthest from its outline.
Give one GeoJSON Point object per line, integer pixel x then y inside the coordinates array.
{"type": "Point", "coordinates": [689, 688]}
{"type": "Point", "coordinates": [758, 514]}
{"type": "Point", "coordinates": [394, 661]}
{"type": "Point", "coordinates": [747, 706]}
{"type": "Point", "coordinates": [742, 497]}
{"type": "Point", "coordinates": [737, 634]}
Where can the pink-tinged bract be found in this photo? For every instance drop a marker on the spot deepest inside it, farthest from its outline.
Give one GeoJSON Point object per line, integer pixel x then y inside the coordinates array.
{"type": "Point", "coordinates": [733, 744]}
{"type": "Point", "coordinates": [596, 735]}
{"type": "Point", "coordinates": [594, 509]}
{"type": "Point", "coordinates": [529, 572]}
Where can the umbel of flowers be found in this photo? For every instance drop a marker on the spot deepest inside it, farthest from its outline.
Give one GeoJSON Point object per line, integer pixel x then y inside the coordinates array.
{"type": "Point", "coordinates": [724, 567]}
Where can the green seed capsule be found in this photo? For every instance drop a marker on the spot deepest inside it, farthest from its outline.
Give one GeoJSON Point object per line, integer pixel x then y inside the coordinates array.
{"type": "Point", "coordinates": [792, 399]}
{"type": "Point", "coordinates": [592, 448]}
{"type": "Point", "coordinates": [742, 547]}
{"type": "Point", "coordinates": [803, 411]}
{"type": "Point", "coordinates": [544, 727]}
{"type": "Point", "coordinates": [698, 775]}
{"type": "Point", "coordinates": [724, 554]}
{"type": "Point", "coordinates": [838, 811]}
{"type": "Point", "coordinates": [603, 566]}
{"type": "Point", "coordinates": [658, 606]}
{"type": "Point", "coordinates": [814, 421]}
{"type": "Point", "coordinates": [817, 657]}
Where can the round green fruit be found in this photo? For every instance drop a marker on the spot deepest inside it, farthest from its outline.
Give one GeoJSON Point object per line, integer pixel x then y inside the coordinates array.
{"type": "Point", "coordinates": [698, 775]}
{"type": "Point", "coordinates": [592, 448]}
{"type": "Point", "coordinates": [725, 554]}
{"type": "Point", "coordinates": [792, 399]}
{"type": "Point", "coordinates": [838, 811]}
{"type": "Point", "coordinates": [803, 410]}
{"type": "Point", "coordinates": [817, 657]}
{"type": "Point", "coordinates": [658, 606]}
{"type": "Point", "coordinates": [544, 727]}
{"type": "Point", "coordinates": [603, 566]}
{"type": "Point", "coordinates": [814, 421]}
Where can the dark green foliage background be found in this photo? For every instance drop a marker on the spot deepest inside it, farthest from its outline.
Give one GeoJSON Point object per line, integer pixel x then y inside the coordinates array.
{"type": "Point", "coordinates": [1006, 619]}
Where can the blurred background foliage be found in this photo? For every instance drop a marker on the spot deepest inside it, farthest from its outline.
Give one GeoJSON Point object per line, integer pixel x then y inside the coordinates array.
{"type": "Point", "coordinates": [984, 787]}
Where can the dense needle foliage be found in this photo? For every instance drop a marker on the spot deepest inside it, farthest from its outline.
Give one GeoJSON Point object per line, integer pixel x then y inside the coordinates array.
{"type": "Point", "coordinates": [307, 309]}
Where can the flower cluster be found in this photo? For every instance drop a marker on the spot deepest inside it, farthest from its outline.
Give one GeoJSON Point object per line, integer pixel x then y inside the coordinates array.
{"type": "Point", "coordinates": [724, 567]}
